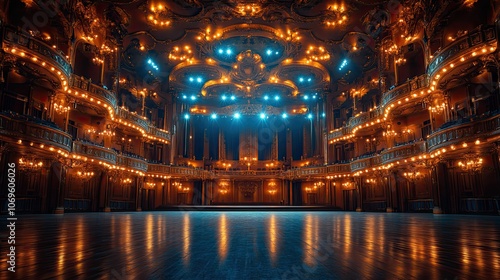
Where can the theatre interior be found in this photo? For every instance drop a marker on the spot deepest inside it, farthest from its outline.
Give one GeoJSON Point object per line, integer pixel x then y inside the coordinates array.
{"type": "Point", "coordinates": [133, 105]}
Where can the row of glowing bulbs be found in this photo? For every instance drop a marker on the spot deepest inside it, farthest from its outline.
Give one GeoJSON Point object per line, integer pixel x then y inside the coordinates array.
{"type": "Point", "coordinates": [407, 99]}
{"type": "Point", "coordinates": [83, 95]}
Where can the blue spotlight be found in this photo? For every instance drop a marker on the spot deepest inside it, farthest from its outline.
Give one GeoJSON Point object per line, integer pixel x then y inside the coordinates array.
{"type": "Point", "coordinates": [277, 53]}
{"type": "Point", "coordinates": [262, 116]}
{"type": "Point", "coordinates": [199, 79]}
{"type": "Point", "coordinates": [284, 116]}
{"type": "Point", "coordinates": [221, 51]}
{"type": "Point", "coordinates": [191, 79]}
{"type": "Point", "coordinates": [229, 51]}
{"type": "Point", "coordinates": [310, 116]}
{"type": "Point", "coordinates": [310, 79]}
{"type": "Point", "coordinates": [277, 97]}
{"type": "Point", "coordinates": [184, 96]}
{"type": "Point", "coordinates": [237, 115]}
{"type": "Point", "coordinates": [269, 52]}
{"type": "Point", "coordinates": [266, 97]}
{"type": "Point", "coordinates": [186, 116]}
{"type": "Point", "coordinates": [213, 116]}
{"type": "Point", "coordinates": [323, 115]}
{"type": "Point", "coordinates": [314, 96]}
{"type": "Point", "coordinates": [233, 97]}
{"type": "Point", "coordinates": [301, 79]}
{"type": "Point", "coordinates": [344, 63]}
{"type": "Point", "coordinates": [193, 97]}
{"type": "Point", "coordinates": [306, 97]}
{"type": "Point", "coordinates": [224, 97]}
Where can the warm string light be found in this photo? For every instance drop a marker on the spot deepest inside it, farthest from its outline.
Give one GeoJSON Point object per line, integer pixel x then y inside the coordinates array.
{"type": "Point", "coordinates": [44, 64]}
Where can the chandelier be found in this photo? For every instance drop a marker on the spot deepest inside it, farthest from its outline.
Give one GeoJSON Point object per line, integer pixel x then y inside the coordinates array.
{"type": "Point", "coordinates": [370, 181]}
{"type": "Point", "coordinates": [126, 181]}
{"type": "Point", "coordinates": [30, 163]}
{"type": "Point", "coordinates": [159, 16]}
{"type": "Point", "coordinates": [85, 175]}
{"type": "Point", "coordinates": [223, 187]}
{"type": "Point", "coordinates": [180, 187]}
{"type": "Point", "coordinates": [471, 163]}
{"type": "Point", "coordinates": [272, 188]}
{"type": "Point", "coordinates": [150, 185]}
{"type": "Point", "coordinates": [60, 108]}
{"type": "Point", "coordinates": [315, 187]}
{"type": "Point", "coordinates": [413, 175]}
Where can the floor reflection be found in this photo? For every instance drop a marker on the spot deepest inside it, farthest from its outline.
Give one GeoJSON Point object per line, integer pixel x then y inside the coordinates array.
{"type": "Point", "coordinates": [255, 245]}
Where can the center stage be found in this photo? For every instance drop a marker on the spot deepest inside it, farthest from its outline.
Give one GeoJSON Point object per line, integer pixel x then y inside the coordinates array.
{"type": "Point", "coordinates": [272, 208]}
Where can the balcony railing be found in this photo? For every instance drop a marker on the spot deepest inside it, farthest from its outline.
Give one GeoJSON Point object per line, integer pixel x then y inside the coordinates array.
{"type": "Point", "coordinates": [402, 152]}
{"type": "Point", "coordinates": [404, 90]}
{"type": "Point", "coordinates": [483, 35]}
{"type": "Point", "coordinates": [95, 152]}
{"type": "Point", "coordinates": [133, 119]}
{"type": "Point", "coordinates": [464, 132]}
{"type": "Point", "coordinates": [29, 44]}
{"type": "Point", "coordinates": [95, 91]}
{"type": "Point", "coordinates": [32, 129]}
{"type": "Point", "coordinates": [132, 162]}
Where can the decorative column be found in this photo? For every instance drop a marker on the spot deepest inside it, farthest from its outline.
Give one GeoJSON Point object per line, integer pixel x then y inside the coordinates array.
{"type": "Point", "coordinates": [435, 189]}
{"type": "Point", "coordinates": [138, 198]}
{"type": "Point", "coordinates": [359, 208]}
{"type": "Point", "coordinates": [389, 184]}
{"type": "Point", "coordinates": [107, 192]}
{"type": "Point", "coordinates": [60, 192]}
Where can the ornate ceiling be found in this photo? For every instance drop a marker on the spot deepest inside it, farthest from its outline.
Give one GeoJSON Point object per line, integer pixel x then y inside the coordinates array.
{"type": "Point", "coordinates": [206, 51]}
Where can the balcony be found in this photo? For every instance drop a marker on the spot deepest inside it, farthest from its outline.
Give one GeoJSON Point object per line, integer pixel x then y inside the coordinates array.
{"type": "Point", "coordinates": [39, 52]}
{"type": "Point", "coordinates": [93, 91]}
{"type": "Point", "coordinates": [402, 152]}
{"type": "Point", "coordinates": [94, 152]}
{"type": "Point", "coordinates": [132, 120]}
{"type": "Point", "coordinates": [31, 129]}
{"type": "Point", "coordinates": [481, 36]}
{"type": "Point", "coordinates": [405, 90]}
{"type": "Point", "coordinates": [464, 132]}
{"type": "Point", "coordinates": [131, 162]}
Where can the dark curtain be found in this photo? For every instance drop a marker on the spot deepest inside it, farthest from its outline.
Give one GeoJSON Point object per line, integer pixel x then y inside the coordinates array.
{"type": "Point", "coordinates": [297, 140]}
{"type": "Point", "coordinates": [197, 192]}
{"type": "Point", "coordinates": [213, 140]}
{"type": "Point", "coordinates": [297, 193]}
{"type": "Point", "coordinates": [199, 137]}
{"type": "Point", "coordinates": [232, 138]}
{"type": "Point", "coordinates": [264, 140]}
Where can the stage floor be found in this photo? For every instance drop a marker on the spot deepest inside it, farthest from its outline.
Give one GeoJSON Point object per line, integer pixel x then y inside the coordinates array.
{"type": "Point", "coordinates": [254, 245]}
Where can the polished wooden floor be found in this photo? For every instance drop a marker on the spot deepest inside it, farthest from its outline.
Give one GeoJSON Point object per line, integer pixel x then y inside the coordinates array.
{"type": "Point", "coordinates": [255, 245]}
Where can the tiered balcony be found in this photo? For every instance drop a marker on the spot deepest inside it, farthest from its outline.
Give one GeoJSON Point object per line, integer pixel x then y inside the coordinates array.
{"type": "Point", "coordinates": [39, 53]}
{"type": "Point", "coordinates": [134, 163]}
{"type": "Point", "coordinates": [473, 41]}
{"type": "Point", "coordinates": [27, 128]}
{"type": "Point", "coordinates": [94, 152]}
{"type": "Point", "coordinates": [93, 93]}
{"type": "Point", "coordinates": [464, 132]}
